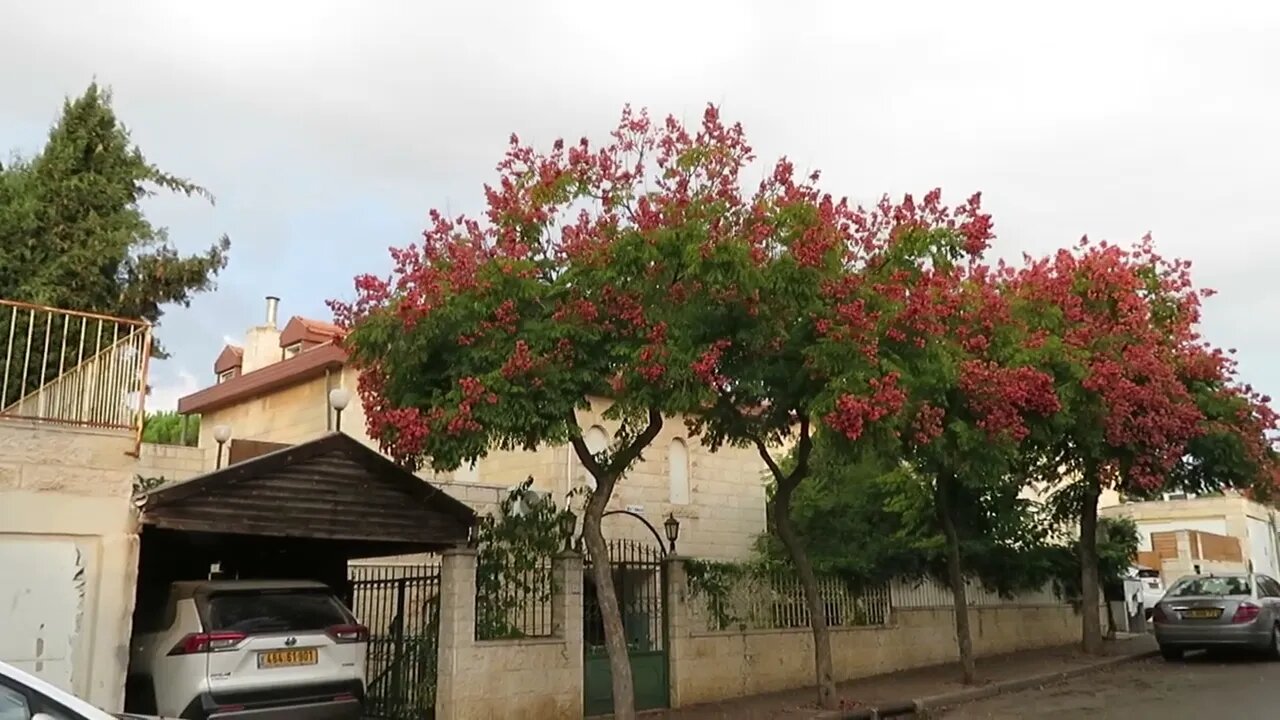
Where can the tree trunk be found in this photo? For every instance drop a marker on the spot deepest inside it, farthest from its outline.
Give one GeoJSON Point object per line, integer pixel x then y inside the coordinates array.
{"type": "Point", "coordinates": [615, 641]}
{"type": "Point", "coordinates": [825, 675]}
{"type": "Point", "coordinates": [1091, 623]}
{"type": "Point", "coordinates": [955, 577]}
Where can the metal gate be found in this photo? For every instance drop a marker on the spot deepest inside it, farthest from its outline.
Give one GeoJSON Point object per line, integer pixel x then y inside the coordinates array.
{"type": "Point", "coordinates": [640, 582]}
{"type": "Point", "coordinates": [400, 604]}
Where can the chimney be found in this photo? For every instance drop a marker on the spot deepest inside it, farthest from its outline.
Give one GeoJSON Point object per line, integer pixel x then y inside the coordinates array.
{"type": "Point", "coordinates": [273, 310]}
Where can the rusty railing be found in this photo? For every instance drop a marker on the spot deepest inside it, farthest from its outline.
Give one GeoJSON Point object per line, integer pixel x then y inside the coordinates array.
{"type": "Point", "coordinates": [73, 368]}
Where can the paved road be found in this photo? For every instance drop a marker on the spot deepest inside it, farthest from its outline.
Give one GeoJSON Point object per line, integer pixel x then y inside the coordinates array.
{"type": "Point", "coordinates": [1201, 687]}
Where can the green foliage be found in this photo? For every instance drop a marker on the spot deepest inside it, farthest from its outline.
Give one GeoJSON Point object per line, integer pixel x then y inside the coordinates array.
{"type": "Point", "coordinates": [713, 581]}
{"type": "Point", "coordinates": [868, 519]}
{"type": "Point", "coordinates": [166, 428]}
{"type": "Point", "coordinates": [514, 577]}
{"type": "Point", "coordinates": [72, 231]}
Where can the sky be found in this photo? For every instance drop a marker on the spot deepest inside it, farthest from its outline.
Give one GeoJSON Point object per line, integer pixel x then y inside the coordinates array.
{"type": "Point", "coordinates": [328, 130]}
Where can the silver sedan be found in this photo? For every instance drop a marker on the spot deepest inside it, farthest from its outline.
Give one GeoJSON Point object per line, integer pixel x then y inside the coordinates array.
{"type": "Point", "coordinates": [1203, 612]}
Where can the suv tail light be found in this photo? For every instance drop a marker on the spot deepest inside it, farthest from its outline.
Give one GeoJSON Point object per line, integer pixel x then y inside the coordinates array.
{"type": "Point", "coordinates": [207, 642]}
{"type": "Point", "coordinates": [1247, 612]}
{"type": "Point", "coordinates": [348, 633]}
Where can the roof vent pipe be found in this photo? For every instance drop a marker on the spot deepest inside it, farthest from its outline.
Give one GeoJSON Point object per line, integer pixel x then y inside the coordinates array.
{"type": "Point", "coordinates": [273, 310]}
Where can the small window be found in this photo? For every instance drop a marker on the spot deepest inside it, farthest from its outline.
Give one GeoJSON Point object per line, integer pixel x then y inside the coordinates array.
{"type": "Point", "coordinates": [226, 375]}
{"type": "Point", "coordinates": [292, 350]}
{"type": "Point", "coordinates": [678, 471]}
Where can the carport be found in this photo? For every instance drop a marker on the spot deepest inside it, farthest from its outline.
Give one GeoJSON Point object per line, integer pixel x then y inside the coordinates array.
{"type": "Point", "coordinates": [302, 511]}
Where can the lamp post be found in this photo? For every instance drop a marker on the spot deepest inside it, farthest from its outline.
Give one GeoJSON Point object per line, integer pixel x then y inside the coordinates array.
{"type": "Point", "coordinates": [339, 398]}
{"type": "Point", "coordinates": [568, 521]}
{"type": "Point", "coordinates": [672, 527]}
{"type": "Point", "coordinates": [221, 434]}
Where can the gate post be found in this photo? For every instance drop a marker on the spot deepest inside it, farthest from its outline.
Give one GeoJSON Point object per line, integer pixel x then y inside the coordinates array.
{"type": "Point", "coordinates": [678, 625]}
{"type": "Point", "coordinates": [457, 624]}
{"type": "Point", "coordinates": [566, 618]}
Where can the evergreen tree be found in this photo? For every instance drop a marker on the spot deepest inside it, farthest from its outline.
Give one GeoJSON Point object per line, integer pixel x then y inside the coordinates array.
{"type": "Point", "coordinates": [73, 234]}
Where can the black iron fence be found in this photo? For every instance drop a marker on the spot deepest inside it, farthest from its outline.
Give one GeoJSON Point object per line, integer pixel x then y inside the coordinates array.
{"type": "Point", "coordinates": [400, 604]}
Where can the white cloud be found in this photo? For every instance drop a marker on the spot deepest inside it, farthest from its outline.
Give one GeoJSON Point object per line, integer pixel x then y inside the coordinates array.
{"type": "Point", "coordinates": [164, 396]}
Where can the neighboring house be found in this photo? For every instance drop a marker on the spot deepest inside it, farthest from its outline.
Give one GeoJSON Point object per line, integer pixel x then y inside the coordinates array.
{"type": "Point", "coordinates": [275, 389]}
{"type": "Point", "coordinates": [1250, 524]}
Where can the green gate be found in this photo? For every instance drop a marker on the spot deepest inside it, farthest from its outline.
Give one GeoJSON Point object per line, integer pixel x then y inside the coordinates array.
{"type": "Point", "coordinates": [640, 582]}
{"type": "Point", "coordinates": [400, 605]}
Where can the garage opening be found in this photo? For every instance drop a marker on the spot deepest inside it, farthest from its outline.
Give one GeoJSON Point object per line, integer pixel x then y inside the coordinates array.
{"type": "Point", "coordinates": [291, 521]}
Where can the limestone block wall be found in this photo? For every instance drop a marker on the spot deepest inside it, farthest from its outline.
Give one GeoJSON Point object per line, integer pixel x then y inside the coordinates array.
{"type": "Point", "coordinates": [528, 679]}
{"type": "Point", "coordinates": [172, 462]}
{"type": "Point", "coordinates": [711, 666]}
{"type": "Point", "coordinates": [68, 555]}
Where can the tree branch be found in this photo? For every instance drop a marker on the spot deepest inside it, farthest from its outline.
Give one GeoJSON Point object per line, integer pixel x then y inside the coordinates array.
{"type": "Point", "coordinates": [765, 455]}
{"type": "Point", "coordinates": [631, 452]}
{"type": "Point", "coordinates": [584, 453]}
{"type": "Point", "coordinates": [803, 451]}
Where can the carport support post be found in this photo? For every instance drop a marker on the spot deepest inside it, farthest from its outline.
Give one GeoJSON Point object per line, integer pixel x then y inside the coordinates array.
{"type": "Point", "coordinates": [457, 625]}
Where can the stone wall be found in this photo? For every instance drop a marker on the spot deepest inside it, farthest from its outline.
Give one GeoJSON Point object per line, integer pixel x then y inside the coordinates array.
{"type": "Point", "coordinates": [710, 666]}
{"type": "Point", "coordinates": [527, 679]}
{"type": "Point", "coordinates": [68, 555]}
{"type": "Point", "coordinates": [172, 462]}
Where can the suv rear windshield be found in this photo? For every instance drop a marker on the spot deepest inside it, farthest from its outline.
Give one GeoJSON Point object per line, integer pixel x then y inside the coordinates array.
{"type": "Point", "coordinates": [270, 611]}
{"type": "Point", "coordinates": [1211, 586]}
{"type": "Point", "coordinates": [1146, 573]}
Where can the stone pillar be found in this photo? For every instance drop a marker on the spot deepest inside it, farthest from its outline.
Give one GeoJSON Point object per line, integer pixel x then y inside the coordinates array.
{"type": "Point", "coordinates": [566, 620]}
{"type": "Point", "coordinates": [457, 626]}
{"type": "Point", "coordinates": [679, 626]}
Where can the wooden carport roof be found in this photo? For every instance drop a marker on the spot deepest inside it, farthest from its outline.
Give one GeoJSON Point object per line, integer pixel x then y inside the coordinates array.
{"type": "Point", "coordinates": [331, 488]}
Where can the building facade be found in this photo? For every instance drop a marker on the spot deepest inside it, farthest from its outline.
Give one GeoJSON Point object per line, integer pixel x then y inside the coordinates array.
{"type": "Point", "coordinates": [276, 387]}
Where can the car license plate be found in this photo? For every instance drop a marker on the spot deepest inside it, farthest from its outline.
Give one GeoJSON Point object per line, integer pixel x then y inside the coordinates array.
{"type": "Point", "coordinates": [1203, 613]}
{"type": "Point", "coordinates": [287, 658]}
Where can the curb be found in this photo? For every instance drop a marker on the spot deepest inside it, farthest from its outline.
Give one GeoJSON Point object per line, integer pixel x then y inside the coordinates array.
{"type": "Point", "coordinates": [920, 707]}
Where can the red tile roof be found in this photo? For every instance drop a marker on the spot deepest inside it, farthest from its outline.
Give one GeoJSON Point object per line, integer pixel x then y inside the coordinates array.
{"type": "Point", "coordinates": [310, 363]}
{"type": "Point", "coordinates": [232, 356]}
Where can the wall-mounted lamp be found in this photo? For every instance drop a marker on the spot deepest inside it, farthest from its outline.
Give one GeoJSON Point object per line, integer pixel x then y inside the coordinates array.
{"type": "Point", "coordinates": [339, 398]}
{"type": "Point", "coordinates": [221, 434]}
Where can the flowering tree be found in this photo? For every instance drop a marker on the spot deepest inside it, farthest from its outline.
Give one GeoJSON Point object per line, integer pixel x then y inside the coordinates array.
{"type": "Point", "coordinates": [1145, 401]}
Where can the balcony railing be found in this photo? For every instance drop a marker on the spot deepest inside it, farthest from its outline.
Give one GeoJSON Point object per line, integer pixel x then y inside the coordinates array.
{"type": "Point", "coordinates": [73, 368]}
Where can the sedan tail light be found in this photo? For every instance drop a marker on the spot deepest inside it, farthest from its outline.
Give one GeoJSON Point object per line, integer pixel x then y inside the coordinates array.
{"type": "Point", "coordinates": [348, 633]}
{"type": "Point", "coordinates": [196, 643]}
{"type": "Point", "coordinates": [1247, 612]}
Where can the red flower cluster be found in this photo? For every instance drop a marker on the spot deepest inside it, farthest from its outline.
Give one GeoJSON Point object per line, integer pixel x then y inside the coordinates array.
{"type": "Point", "coordinates": [852, 413]}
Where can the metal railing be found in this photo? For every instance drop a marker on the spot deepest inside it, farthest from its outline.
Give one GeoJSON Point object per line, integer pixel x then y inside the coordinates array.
{"type": "Point", "coordinates": [775, 600]}
{"type": "Point", "coordinates": [73, 368]}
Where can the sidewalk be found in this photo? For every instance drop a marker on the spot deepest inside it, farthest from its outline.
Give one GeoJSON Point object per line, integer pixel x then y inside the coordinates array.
{"type": "Point", "coordinates": [900, 687]}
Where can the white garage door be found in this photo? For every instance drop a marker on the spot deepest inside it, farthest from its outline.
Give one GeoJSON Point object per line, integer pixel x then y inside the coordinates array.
{"type": "Point", "coordinates": [41, 600]}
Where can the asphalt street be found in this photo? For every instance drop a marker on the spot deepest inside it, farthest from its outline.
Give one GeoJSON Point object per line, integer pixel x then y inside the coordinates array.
{"type": "Point", "coordinates": [1200, 687]}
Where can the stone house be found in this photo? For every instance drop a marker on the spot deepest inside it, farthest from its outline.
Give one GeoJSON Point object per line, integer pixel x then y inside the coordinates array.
{"type": "Point", "coordinates": [275, 388]}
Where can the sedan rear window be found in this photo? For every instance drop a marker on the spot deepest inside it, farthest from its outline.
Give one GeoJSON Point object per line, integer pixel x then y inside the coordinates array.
{"type": "Point", "coordinates": [1211, 586]}
{"type": "Point", "coordinates": [273, 611]}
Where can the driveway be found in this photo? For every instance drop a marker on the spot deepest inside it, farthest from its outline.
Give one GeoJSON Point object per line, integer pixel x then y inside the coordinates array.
{"type": "Point", "coordinates": [1201, 687]}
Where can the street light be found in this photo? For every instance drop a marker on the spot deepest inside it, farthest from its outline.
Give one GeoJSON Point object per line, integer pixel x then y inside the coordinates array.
{"type": "Point", "coordinates": [672, 527]}
{"type": "Point", "coordinates": [339, 398]}
{"type": "Point", "coordinates": [568, 521]}
{"type": "Point", "coordinates": [221, 434]}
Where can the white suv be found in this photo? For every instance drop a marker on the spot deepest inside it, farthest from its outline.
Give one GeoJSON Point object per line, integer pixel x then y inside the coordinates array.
{"type": "Point", "coordinates": [248, 649]}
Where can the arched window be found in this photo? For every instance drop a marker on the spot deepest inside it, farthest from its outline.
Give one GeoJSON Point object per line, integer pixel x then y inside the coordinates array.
{"type": "Point", "coordinates": [678, 471]}
{"type": "Point", "coordinates": [597, 440]}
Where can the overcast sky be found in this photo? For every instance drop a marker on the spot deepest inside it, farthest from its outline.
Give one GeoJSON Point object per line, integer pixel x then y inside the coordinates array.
{"type": "Point", "coordinates": [327, 130]}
